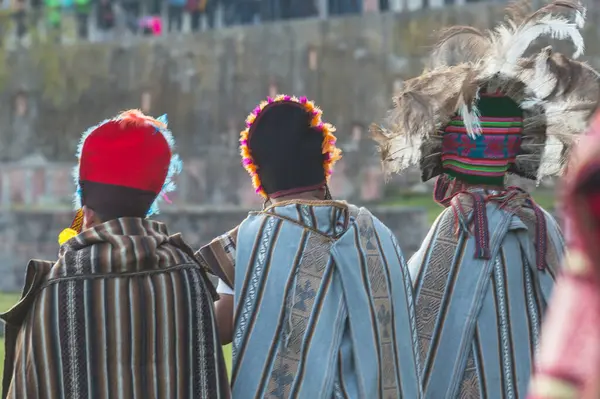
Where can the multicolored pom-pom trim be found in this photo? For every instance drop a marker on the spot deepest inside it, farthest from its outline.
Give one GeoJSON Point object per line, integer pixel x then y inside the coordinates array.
{"type": "Point", "coordinates": [331, 154]}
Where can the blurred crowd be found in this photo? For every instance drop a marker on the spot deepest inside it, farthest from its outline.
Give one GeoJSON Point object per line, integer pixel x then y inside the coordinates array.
{"type": "Point", "coordinates": [156, 17]}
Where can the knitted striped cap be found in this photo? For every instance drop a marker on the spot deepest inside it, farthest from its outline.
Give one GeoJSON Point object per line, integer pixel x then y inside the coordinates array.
{"type": "Point", "coordinates": [484, 158]}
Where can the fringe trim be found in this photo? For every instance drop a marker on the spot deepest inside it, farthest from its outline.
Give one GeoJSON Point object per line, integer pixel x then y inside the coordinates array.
{"type": "Point", "coordinates": [446, 192]}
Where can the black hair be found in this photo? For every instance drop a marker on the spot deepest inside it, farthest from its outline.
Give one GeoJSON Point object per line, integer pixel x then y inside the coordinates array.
{"type": "Point", "coordinates": [111, 202]}
{"type": "Point", "coordinates": [286, 150]}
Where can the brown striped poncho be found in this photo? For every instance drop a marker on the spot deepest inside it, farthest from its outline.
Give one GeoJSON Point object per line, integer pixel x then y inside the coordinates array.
{"type": "Point", "coordinates": [126, 312]}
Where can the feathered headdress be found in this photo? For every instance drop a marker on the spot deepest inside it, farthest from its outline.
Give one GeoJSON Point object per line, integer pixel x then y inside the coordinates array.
{"type": "Point", "coordinates": [556, 95]}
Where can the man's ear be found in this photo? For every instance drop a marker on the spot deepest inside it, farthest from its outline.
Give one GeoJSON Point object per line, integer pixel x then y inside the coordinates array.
{"type": "Point", "coordinates": [89, 218]}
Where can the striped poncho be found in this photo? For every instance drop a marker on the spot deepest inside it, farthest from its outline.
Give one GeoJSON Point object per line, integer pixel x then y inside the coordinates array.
{"type": "Point", "coordinates": [126, 312]}
{"type": "Point", "coordinates": [323, 304]}
{"type": "Point", "coordinates": [480, 298]}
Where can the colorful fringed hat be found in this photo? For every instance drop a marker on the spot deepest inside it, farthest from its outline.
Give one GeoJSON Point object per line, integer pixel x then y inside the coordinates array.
{"type": "Point", "coordinates": [286, 147]}
{"type": "Point", "coordinates": [126, 166]}
{"type": "Point", "coordinates": [487, 106]}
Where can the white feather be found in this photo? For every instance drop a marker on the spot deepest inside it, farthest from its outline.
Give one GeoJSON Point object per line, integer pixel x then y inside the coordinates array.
{"type": "Point", "coordinates": [555, 27]}
{"type": "Point", "coordinates": [551, 162]}
{"type": "Point", "coordinates": [531, 103]}
{"type": "Point", "coordinates": [405, 152]}
{"type": "Point", "coordinates": [580, 17]}
{"type": "Point", "coordinates": [568, 115]}
{"type": "Point", "coordinates": [510, 42]}
{"type": "Point", "coordinates": [543, 81]}
{"type": "Point", "coordinates": [501, 41]}
{"type": "Point", "coordinates": [470, 120]}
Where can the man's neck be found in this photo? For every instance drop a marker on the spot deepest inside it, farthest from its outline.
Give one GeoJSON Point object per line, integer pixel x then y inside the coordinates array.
{"type": "Point", "coordinates": [316, 195]}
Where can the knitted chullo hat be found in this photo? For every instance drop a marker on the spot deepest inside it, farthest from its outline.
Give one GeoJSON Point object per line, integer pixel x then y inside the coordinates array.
{"type": "Point", "coordinates": [126, 164]}
{"type": "Point", "coordinates": [487, 106]}
{"type": "Point", "coordinates": [486, 157]}
{"type": "Point", "coordinates": [286, 147]}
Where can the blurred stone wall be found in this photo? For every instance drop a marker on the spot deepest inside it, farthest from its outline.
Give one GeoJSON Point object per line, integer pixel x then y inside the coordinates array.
{"type": "Point", "coordinates": [207, 83]}
{"type": "Point", "coordinates": [30, 234]}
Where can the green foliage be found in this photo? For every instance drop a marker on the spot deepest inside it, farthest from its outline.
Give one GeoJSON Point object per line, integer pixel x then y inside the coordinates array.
{"type": "Point", "coordinates": [6, 27]}
{"type": "Point", "coordinates": [544, 198]}
{"type": "Point", "coordinates": [8, 300]}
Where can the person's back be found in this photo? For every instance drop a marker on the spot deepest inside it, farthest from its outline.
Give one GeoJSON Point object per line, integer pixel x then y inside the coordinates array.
{"type": "Point", "coordinates": [485, 271]}
{"type": "Point", "coordinates": [479, 318]}
{"type": "Point", "coordinates": [332, 293]}
{"type": "Point", "coordinates": [322, 296]}
{"type": "Point", "coordinates": [126, 311]}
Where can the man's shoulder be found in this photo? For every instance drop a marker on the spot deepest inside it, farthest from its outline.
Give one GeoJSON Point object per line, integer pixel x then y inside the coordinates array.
{"type": "Point", "coordinates": [362, 218]}
{"type": "Point", "coordinates": [361, 214]}
{"type": "Point", "coordinates": [36, 275]}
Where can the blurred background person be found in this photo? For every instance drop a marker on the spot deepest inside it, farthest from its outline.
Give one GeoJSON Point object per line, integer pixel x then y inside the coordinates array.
{"type": "Point", "coordinates": [175, 15]}
{"type": "Point", "coordinates": [105, 17]}
{"type": "Point", "coordinates": [568, 364]}
{"type": "Point", "coordinates": [132, 12]}
{"type": "Point", "coordinates": [20, 17]}
{"type": "Point", "coordinates": [82, 12]}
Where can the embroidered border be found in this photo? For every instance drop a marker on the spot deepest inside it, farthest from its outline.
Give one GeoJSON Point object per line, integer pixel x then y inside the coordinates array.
{"type": "Point", "coordinates": [504, 330]}
{"type": "Point", "coordinates": [309, 282]}
{"type": "Point", "coordinates": [411, 304]}
{"type": "Point", "coordinates": [381, 305]}
{"type": "Point", "coordinates": [256, 277]}
{"type": "Point", "coordinates": [533, 312]}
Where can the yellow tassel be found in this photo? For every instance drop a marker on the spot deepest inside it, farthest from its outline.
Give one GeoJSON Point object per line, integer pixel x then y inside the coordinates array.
{"type": "Point", "coordinates": [66, 235]}
{"type": "Point", "coordinates": [74, 230]}
{"type": "Point", "coordinates": [77, 223]}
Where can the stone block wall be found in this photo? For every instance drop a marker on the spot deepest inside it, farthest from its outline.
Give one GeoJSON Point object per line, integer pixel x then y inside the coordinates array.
{"type": "Point", "coordinates": [207, 83]}
{"type": "Point", "coordinates": [30, 234]}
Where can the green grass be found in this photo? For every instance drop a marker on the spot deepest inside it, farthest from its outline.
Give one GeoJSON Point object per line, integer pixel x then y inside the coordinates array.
{"type": "Point", "coordinates": [7, 300]}
{"type": "Point", "coordinates": [544, 198]}
{"type": "Point", "coordinates": [227, 354]}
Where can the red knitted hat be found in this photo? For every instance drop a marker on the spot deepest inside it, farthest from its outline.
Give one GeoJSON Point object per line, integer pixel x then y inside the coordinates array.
{"type": "Point", "coordinates": [130, 154]}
